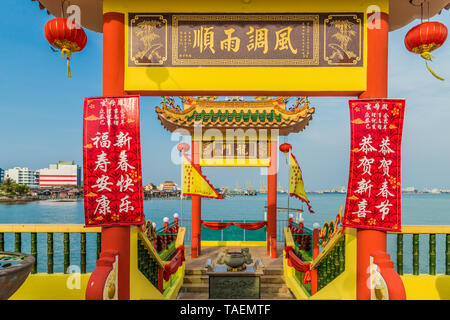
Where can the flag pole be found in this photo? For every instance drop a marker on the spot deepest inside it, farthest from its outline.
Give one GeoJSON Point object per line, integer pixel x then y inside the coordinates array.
{"type": "Point", "coordinates": [181, 193]}
{"type": "Point", "coordinates": [289, 181]}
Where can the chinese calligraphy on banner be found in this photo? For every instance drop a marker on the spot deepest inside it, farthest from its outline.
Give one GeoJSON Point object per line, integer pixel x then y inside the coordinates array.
{"type": "Point", "coordinates": [374, 190]}
{"type": "Point", "coordinates": [112, 161]}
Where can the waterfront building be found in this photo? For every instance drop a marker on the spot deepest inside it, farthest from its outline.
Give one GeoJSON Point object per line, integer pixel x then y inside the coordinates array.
{"type": "Point", "coordinates": [149, 187]}
{"type": "Point", "coordinates": [23, 176]}
{"type": "Point", "coordinates": [2, 174]}
{"type": "Point", "coordinates": [168, 186]}
{"type": "Point", "coordinates": [410, 190]}
{"type": "Point", "coordinates": [60, 174]}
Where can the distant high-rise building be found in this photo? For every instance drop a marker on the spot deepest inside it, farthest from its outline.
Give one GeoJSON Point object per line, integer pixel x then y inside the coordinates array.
{"type": "Point", "coordinates": [23, 176]}
{"type": "Point", "coordinates": [60, 174]}
{"type": "Point", "coordinates": [2, 174]}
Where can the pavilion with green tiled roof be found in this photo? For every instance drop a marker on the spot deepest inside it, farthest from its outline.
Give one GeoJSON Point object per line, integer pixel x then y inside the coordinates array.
{"type": "Point", "coordinates": [222, 115]}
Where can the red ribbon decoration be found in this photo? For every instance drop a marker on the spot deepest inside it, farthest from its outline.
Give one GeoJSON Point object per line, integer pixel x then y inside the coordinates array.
{"type": "Point", "coordinates": [222, 225]}
{"type": "Point", "coordinates": [174, 264]}
{"type": "Point", "coordinates": [299, 265]}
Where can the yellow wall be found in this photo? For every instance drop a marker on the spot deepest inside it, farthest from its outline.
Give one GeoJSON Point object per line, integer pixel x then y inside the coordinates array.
{"type": "Point", "coordinates": [427, 287]}
{"type": "Point", "coordinates": [140, 287]}
{"type": "Point", "coordinates": [43, 286]}
{"type": "Point", "coordinates": [292, 282]}
{"type": "Point", "coordinates": [244, 79]}
{"type": "Point", "coordinates": [176, 281]}
{"type": "Point", "coordinates": [341, 288]}
{"type": "Point", "coordinates": [344, 286]}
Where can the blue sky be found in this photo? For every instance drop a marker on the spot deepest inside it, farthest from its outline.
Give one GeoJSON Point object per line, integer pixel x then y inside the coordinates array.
{"type": "Point", "coordinates": [41, 112]}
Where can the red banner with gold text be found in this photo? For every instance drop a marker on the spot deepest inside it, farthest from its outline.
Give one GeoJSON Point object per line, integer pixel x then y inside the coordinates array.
{"type": "Point", "coordinates": [374, 190]}
{"type": "Point", "coordinates": [112, 162]}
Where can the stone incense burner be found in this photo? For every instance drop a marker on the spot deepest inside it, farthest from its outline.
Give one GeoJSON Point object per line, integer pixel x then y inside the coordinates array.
{"type": "Point", "coordinates": [234, 260]}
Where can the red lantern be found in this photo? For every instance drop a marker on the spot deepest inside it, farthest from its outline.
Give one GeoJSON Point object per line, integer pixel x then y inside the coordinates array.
{"type": "Point", "coordinates": [65, 36]}
{"type": "Point", "coordinates": [285, 148]}
{"type": "Point", "coordinates": [183, 147]}
{"type": "Point", "coordinates": [424, 38]}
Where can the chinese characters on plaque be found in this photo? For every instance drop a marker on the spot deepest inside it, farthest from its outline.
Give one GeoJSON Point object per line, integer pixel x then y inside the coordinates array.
{"type": "Point", "coordinates": [112, 161]}
{"type": "Point", "coordinates": [235, 153]}
{"type": "Point", "coordinates": [374, 190]}
{"type": "Point", "coordinates": [320, 39]}
{"type": "Point", "coordinates": [235, 149]}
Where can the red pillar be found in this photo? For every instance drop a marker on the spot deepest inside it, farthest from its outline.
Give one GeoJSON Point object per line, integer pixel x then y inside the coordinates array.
{"type": "Point", "coordinates": [272, 201]}
{"type": "Point", "coordinates": [116, 238]}
{"type": "Point", "coordinates": [315, 246]}
{"type": "Point", "coordinates": [196, 209]}
{"type": "Point", "coordinates": [369, 241]}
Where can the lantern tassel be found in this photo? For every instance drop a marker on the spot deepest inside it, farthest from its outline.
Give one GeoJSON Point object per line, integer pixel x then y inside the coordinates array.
{"type": "Point", "coordinates": [65, 53]}
{"type": "Point", "coordinates": [433, 73]}
{"type": "Point", "coordinates": [69, 75]}
{"type": "Point", "coordinates": [428, 57]}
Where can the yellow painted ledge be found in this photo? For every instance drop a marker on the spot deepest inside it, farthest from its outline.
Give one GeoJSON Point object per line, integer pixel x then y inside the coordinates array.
{"type": "Point", "coordinates": [177, 282]}
{"type": "Point", "coordinates": [140, 287]}
{"type": "Point", "coordinates": [291, 282]}
{"type": "Point", "coordinates": [234, 243]}
{"type": "Point", "coordinates": [344, 286]}
{"type": "Point", "coordinates": [56, 286]}
{"type": "Point", "coordinates": [426, 287]}
{"type": "Point", "coordinates": [341, 288]}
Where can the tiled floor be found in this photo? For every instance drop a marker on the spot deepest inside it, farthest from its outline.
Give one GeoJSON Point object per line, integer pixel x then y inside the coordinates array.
{"type": "Point", "coordinates": [212, 252]}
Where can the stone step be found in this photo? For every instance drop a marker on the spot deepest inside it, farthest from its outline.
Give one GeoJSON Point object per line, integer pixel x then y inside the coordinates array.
{"type": "Point", "coordinates": [205, 296]}
{"type": "Point", "coordinates": [192, 296]}
{"type": "Point", "coordinates": [273, 272]}
{"type": "Point", "coordinates": [194, 288]}
{"type": "Point", "coordinates": [278, 296]}
{"type": "Point", "coordinates": [274, 288]}
{"type": "Point", "coordinates": [272, 279]}
{"type": "Point", "coordinates": [195, 272]}
{"type": "Point", "coordinates": [270, 272]}
{"type": "Point", "coordinates": [196, 279]}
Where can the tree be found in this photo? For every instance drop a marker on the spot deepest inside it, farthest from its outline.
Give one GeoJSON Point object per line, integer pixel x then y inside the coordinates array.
{"type": "Point", "coordinates": [11, 188]}
{"type": "Point", "coordinates": [22, 189]}
{"type": "Point", "coordinates": [8, 186]}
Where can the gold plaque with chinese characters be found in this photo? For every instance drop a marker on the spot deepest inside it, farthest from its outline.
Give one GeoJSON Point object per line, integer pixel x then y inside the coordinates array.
{"type": "Point", "coordinates": [245, 40]}
{"type": "Point", "coordinates": [235, 153]}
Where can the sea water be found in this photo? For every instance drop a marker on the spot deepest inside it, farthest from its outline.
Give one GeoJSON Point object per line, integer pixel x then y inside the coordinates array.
{"type": "Point", "coordinates": [417, 209]}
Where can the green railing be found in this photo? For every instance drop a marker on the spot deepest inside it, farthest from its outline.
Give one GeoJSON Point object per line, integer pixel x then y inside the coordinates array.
{"type": "Point", "coordinates": [50, 230]}
{"type": "Point", "coordinates": [431, 232]}
{"type": "Point", "coordinates": [330, 263]}
{"type": "Point", "coordinates": [299, 276]}
{"type": "Point", "coordinates": [162, 241]}
{"type": "Point", "coordinates": [303, 242]}
{"type": "Point", "coordinates": [148, 264]}
{"type": "Point", "coordinates": [156, 248]}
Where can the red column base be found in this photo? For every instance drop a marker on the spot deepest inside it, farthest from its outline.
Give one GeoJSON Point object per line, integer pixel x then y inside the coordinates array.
{"type": "Point", "coordinates": [368, 242]}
